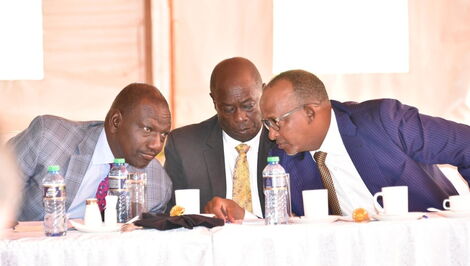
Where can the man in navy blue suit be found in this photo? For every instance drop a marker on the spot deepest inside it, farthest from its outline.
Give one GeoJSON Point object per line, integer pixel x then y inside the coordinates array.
{"type": "Point", "coordinates": [368, 145]}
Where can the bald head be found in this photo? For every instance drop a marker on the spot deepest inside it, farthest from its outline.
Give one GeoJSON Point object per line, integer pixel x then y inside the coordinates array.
{"type": "Point", "coordinates": [137, 124]}
{"type": "Point", "coordinates": [236, 87]}
{"type": "Point", "coordinates": [133, 94]}
{"type": "Point", "coordinates": [230, 69]}
{"type": "Point", "coordinates": [296, 108]}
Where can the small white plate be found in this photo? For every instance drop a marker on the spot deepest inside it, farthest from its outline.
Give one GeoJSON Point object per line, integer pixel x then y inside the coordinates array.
{"type": "Point", "coordinates": [254, 221]}
{"type": "Point", "coordinates": [210, 215]}
{"type": "Point", "coordinates": [454, 214]}
{"type": "Point", "coordinates": [402, 217]}
{"type": "Point", "coordinates": [308, 220]}
{"type": "Point", "coordinates": [95, 229]}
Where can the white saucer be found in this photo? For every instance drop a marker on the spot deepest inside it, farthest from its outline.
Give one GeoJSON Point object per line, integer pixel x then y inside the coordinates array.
{"type": "Point", "coordinates": [454, 214]}
{"type": "Point", "coordinates": [402, 217]}
{"type": "Point", "coordinates": [210, 215]}
{"type": "Point", "coordinates": [254, 221]}
{"type": "Point", "coordinates": [95, 229]}
{"type": "Point", "coordinates": [308, 220]}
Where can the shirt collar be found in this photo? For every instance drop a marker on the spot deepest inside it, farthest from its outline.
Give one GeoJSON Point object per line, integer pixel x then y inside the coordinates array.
{"type": "Point", "coordinates": [333, 141]}
{"type": "Point", "coordinates": [231, 142]}
{"type": "Point", "coordinates": [102, 153]}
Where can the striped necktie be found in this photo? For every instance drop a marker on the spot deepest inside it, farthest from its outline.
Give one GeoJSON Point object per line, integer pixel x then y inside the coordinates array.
{"type": "Point", "coordinates": [241, 179]}
{"type": "Point", "coordinates": [327, 182]}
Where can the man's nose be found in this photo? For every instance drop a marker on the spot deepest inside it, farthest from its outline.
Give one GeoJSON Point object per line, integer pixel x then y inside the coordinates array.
{"type": "Point", "coordinates": [273, 134]}
{"type": "Point", "coordinates": [240, 115]}
{"type": "Point", "coordinates": [156, 143]}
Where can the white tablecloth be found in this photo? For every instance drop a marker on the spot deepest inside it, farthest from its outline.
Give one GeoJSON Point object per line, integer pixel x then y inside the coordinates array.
{"type": "Point", "coordinates": [141, 247]}
{"type": "Point", "coordinates": [433, 241]}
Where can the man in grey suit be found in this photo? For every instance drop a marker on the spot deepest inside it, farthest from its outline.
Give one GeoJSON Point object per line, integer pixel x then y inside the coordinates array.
{"type": "Point", "coordinates": [203, 155]}
{"type": "Point", "coordinates": [135, 128]}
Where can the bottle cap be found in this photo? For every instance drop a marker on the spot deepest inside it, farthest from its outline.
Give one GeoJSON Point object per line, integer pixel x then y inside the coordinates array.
{"type": "Point", "coordinates": [119, 160]}
{"type": "Point", "coordinates": [53, 168]}
{"type": "Point", "coordinates": [273, 159]}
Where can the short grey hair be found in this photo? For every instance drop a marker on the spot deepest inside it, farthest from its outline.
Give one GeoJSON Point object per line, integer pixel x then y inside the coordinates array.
{"type": "Point", "coordinates": [306, 86]}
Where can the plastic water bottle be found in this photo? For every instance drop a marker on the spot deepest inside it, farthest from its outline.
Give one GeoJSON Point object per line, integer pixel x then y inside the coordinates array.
{"type": "Point", "coordinates": [118, 187]}
{"type": "Point", "coordinates": [276, 192]}
{"type": "Point", "coordinates": [55, 221]}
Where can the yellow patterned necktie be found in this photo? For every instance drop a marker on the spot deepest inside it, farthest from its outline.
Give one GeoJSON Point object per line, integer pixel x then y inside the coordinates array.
{"type": "Point", "coordinates": [241, 179]}
{"type": "Point", "coordinates": [320, 158]}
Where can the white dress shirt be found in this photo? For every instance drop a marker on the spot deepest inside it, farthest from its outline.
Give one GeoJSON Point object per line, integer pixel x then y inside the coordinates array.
{"type": "Point", "coordinates": [351, 190]}
{"type": "Point", "coordinates": [230, 156]}
{"type": "Point", "coordinates": [97, 170]}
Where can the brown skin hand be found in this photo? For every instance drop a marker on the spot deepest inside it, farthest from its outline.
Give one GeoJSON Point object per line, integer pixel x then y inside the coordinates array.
{"type": "Point", "coordinates": [225, 209]}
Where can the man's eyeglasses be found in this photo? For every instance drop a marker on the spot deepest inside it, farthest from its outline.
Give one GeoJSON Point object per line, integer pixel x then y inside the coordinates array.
{"type": "Point", "coordinates": [274, 122]}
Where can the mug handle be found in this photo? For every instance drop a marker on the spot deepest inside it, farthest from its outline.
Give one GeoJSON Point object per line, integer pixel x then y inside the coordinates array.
{"type": "Point", "coordinates": [376, 203]}
{"type": "Point", "coordinates": [444, 204]}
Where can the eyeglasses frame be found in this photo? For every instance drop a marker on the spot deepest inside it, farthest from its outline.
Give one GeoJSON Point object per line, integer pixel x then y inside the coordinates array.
{"type": "Point", "coordinates": [274, 122]}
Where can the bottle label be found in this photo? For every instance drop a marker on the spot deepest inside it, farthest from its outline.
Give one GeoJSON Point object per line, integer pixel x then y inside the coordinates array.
{"type": "Point", "coordinates": [117, 182]}
{"type": "Point", "coordinates": [275, 182]}
{"type": "Point", "coordinates": [54, 192]}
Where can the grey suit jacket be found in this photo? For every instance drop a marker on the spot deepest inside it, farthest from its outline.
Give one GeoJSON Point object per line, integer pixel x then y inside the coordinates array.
{"type": "Point", "coordinates": [51, 140]}
{"type": "Point", "coordinates": [195, 159]}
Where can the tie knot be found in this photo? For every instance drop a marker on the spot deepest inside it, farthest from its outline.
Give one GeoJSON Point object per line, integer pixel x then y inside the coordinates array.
{"type": "Point", "coordinates": [242, 148]}
{"type": "Point", "coordinates": [320, 157]}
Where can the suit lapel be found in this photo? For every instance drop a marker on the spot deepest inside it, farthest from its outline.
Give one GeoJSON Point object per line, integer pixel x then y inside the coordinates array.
{"type": "Point", "coordinates": [79, 162]}
{"type": "Point", "coordinates": [214, 158]}
{"type": "Point", "coordinates": [363, 159]}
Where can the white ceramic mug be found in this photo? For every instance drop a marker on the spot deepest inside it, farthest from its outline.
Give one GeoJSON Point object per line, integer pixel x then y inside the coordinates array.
{"type": "Point", "coordinates": [188, 199]}
{"type": "Point", "coordinates": [395, 200]}
{"type": "Point", "coordinates": [110, 213]}
{"type": "Point", "coordinates": [315, 203]}
{"type": "Point", "coordinates": [457, 203]}
{"type": "Point", "coordinates": [92, 216]}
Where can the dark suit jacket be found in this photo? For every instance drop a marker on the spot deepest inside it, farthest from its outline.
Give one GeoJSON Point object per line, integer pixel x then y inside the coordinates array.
{"type": "Point", "coordinates": [390, 144]}
{"type": "Point", "coordinates": [195, 159]}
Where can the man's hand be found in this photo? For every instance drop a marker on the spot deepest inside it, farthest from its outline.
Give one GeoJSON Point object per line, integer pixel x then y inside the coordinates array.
{"type": "Point", "coordinates": [225, 209]}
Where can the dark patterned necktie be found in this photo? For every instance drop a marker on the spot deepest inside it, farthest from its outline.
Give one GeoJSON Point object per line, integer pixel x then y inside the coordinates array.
{"type": "Point", "coordinates": [327, 182]}
{"type": "Point", "coordinates": [102, 192]}
{"type": "Point", "coordinates": [241, 179]}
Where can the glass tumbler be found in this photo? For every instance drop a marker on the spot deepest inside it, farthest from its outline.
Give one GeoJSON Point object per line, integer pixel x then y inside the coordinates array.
{"type": "Point", "coordinates": [136, 184]}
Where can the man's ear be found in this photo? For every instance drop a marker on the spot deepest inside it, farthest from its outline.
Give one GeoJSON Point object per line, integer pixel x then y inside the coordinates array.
{"type": "Point", "coordinates": [213, 100]}
{"type": "Point", "coordinates": [115, 121]}
{"type": "Point", "coordinates": [310, 110]}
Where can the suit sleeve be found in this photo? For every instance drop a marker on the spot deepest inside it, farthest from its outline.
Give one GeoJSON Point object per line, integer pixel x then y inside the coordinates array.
{"type": "Point", "coordinates": [427, 139]}
{"type": "Point", "coordinates": [159, 189]}
{"type": "Point", "coordinates": [174, 168]}
{"type": "Point", "coordinates": [27, 146]}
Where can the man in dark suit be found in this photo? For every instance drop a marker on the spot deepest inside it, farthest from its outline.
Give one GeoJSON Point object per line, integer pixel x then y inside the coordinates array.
{"type": "Point", "coordinates": [203, 155]}
{"type": "Point", "coordinates": [369, 145]}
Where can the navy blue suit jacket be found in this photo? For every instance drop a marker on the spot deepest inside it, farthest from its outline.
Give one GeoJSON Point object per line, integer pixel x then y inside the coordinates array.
{"type": "Point", "coordinates": [390, 144]}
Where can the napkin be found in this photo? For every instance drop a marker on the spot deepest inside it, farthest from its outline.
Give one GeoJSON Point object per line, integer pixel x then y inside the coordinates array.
{"type": "Point", "coordinates": [166, 222]}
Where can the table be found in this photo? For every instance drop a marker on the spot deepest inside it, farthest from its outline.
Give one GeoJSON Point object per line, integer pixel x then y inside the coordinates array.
{"type": "Point", "coordinates": [434, 241]}
{"type": "Point", "coordinates": [140, 247]}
